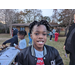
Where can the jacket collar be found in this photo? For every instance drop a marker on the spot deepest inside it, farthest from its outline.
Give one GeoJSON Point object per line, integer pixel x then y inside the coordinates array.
{"type": "Point", "coordinates": [33, 52]}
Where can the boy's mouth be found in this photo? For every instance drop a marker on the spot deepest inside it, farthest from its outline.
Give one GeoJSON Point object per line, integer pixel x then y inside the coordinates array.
{"type": "Point", "coordinates": [40, 42]}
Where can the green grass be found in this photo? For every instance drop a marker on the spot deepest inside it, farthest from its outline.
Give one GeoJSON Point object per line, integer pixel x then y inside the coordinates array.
{"type": "Point", "coordinates": [4, 37]}
{"type": "Point", "coordinates": [62, 33]}
{"type": "Point", "coordinates": [58, 45]}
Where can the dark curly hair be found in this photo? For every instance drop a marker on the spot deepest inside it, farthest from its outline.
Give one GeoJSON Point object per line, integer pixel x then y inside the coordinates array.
{"type": "Point", "coordinates": [22, 33]}
{"type": "Point", "coordinates": [42, 22]}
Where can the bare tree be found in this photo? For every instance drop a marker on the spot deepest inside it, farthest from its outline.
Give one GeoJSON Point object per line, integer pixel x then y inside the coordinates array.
{"type": "Point", "coordinates": [47, 18]}
{"type": "Point", "coordinates": [64, 17]}
{"type": "Point", "coordinates": [55, 16]}
{"type": "Point", "coordinates": [32, 14]}
{"type": "Point", "coordinates": [8, 16]}
{"type": "Point", "coordinates": [27, 16]}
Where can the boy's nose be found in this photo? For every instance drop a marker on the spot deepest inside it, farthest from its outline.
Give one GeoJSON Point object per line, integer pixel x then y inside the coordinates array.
{"type": "Point", "coordinates": [40, 36]}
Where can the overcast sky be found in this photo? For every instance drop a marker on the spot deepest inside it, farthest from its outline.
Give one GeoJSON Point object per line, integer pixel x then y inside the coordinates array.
{"type": "Point", "coordinates": [47, 12]}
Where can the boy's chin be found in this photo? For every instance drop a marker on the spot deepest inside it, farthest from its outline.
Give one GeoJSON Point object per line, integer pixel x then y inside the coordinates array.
{"type": "Point", "coordinates": [40, 46]}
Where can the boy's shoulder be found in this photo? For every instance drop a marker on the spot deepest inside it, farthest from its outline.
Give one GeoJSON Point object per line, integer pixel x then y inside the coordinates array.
{"type": "Point", "coordinates": [26, 50]}
{"type": "Point", "coordinates": [23, 40]}
{"type": "Point", "coordinates": [51, 49]}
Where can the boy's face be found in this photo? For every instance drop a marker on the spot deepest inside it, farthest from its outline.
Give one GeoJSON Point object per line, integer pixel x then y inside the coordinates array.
{"type": "Point", "coordinates": [39, 36]}
{"type": "Point", "coordinates": [20, 36]}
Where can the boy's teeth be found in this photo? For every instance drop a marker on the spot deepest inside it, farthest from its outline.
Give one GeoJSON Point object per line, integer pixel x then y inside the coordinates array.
{"type": "Point", "coordinates": [40, 42]}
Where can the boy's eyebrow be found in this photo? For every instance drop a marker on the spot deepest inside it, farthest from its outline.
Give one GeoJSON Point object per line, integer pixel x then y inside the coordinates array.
{"type": "Point", "coordinates": [38, 31]}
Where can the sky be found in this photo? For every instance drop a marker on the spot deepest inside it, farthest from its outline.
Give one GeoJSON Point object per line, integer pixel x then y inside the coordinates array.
{"type": "Point", "coordinates": [45, 12]}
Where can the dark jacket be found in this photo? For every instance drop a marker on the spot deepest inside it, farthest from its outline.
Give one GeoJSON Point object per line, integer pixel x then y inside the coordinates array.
{"type": "Point", "coordinates": [51, 56]}
{"type": "Point", "coordinates": [70, 29]}
{"type": "Point", "coordinates": [14, 39]}
{"type": "Point", "coordinates": [70, 44]}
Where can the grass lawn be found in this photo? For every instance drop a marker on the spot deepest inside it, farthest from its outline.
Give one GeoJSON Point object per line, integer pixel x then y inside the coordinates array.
{"type": "Point", "coordinates": [58, 45]}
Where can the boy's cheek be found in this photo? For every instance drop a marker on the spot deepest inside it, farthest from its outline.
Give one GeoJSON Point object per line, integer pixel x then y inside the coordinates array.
{"type": "Point", "coordinates": [45, 39]}
{"type": "Point", "coordinates": [33, 36]}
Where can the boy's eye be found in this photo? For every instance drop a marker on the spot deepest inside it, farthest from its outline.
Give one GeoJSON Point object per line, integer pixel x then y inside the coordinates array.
{"type": "Point", "coordinates": [36, 33]}
{"type": "Point", "coordinates": [44, 34]}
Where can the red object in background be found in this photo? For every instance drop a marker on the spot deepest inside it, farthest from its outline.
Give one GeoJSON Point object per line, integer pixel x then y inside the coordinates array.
{"type": "Point", "coordinates": [12, 32]}
{"type": "Point", "coordinates": [56, 36]}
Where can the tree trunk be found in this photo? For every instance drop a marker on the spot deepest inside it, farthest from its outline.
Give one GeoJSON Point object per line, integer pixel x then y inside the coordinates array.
{"type": "Point", "coordinates": [10, 29]}
{"type": "Point", "coordinates": [6, 31]}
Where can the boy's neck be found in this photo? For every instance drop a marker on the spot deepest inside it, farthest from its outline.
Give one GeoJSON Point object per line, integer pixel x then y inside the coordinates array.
{"type": "Point", "coordinates": [22, 38]}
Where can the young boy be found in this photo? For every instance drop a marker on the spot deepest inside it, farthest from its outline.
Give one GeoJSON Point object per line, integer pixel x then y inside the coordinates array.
{"type": "Point", "coordinates": [22, 43]}
{"type": "Point", "coordinates": [51, 35]}
{"type": "Point", "coordinates": [56, 36]}
{"type": "Point", "coordinates": [13, 40]}
{"type": "Point", "coordinates": [39, 53]}
{"type": "Point", "coordinates": [54, 30]}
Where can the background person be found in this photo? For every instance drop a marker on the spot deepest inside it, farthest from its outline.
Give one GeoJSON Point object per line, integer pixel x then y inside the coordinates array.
{"type": "Point", "coordinates": [56, 36]}
{"type": "Point", "coordinates": [30, 40]}
{"type": "Point", "coordinates": [22, 43]}
{"type": "Point", "coordinates": [51, 34]}
{"type": "Point", "coordinates": [54, 32]}
{"type": "Point", "coordinates": [69, 45]}
{"type": "Point", "coordinates": [13, 40]}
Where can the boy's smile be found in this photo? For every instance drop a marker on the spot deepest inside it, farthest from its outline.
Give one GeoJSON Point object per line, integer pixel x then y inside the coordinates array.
{"type": "Point", "coordinates": [39, 36]}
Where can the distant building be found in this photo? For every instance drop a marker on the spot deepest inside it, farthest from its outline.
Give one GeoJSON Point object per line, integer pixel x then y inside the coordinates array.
{"type": "Point", "coordinates": [25, 26]}
{"type": "Point", "coordinates": [21, 27]}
